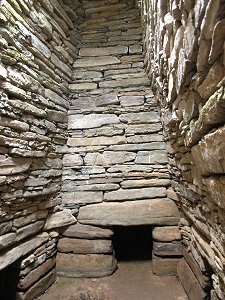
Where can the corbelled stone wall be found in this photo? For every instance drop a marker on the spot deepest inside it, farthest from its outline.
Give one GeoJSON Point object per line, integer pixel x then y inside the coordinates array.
{"type": "Point", "coordinates": [185, 59]}
{"type": "Point", "coordinates": [38, 42]}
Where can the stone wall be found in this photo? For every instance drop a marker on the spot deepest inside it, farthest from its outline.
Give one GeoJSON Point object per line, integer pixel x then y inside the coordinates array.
{"type": "Point", "coordinates": [115, 163]}
{"type": "Point", "coordinates": [38, 42]}
{"type": "Point", "coordinates": [185, 59]}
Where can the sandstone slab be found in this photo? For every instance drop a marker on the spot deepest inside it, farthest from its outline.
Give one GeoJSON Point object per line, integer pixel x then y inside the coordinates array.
{"type": "Point", "coordinates": [203, 280]}
{"type": "Point", "coordinates": [164, 266]}
{"type": "Point", "coordinates": [166, 234]}
{"type": "Point", "coordinates": [86, 231]}
{"type": "Point", "coordinates": [168, 249]}
{"type": "Point", "coordinates": [142, 183]}
{"type": "Point", "coordinates": [77, 121]}
{"type": "Point", "coordinates": [131, 100]}
{"type": "Point", "coordinates": [209, 155]}
{"type": "Point", "coordinates": [38, 288]}
{"type": "Point", "coordinates": [93, 62]}
{"type": "Point", "coordinates": [85, 197]}
{"type": "Point", "coordinates": [102, 51]}
{"type": "Point", "coordinates": [82, 86]}
{"type": "Point", "coordinates": [59, 219]}
{"type": "Point", "coordinates": [10, 166]}
{"type": "Point", "coordinates": [89, 265]}
{"type": "Point", "coordinates": [135, 194]}
{"type": "Point", "coordinates": [128, 213]}
{"type": "Point", "coordinates": [83, 246]}
{"type": "Point", "coordinates": [35, 274]}
{"type": "Point", "coordinates": [189, 281]}
{"type": "Point", "coordinates": [140, 118]}
{"type": "Point", "coordinates": [152, 157]}
{"type": "Point", "coordinates": [96, 141]}
{"type": "Point", "coordinates": [11, 255]}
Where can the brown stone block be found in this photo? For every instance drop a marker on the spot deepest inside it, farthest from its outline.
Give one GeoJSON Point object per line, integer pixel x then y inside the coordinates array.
{"type": "Point", "coordinates": [89, 265]}
{"type": "Point", "coordinates": [189, 282]}
{"type": "Point", "coordinates": [164, 266]}
{"type": "Point", "coordinates": [86, 231]}
{"type": "Point", "coordinates": [203, 280]}
{"type": "Point", "coordinates": [168, 249]}
{"type": "Point", "coordinates": [82, 246]}
{"type": "Point", "coordinates": [166, 234]}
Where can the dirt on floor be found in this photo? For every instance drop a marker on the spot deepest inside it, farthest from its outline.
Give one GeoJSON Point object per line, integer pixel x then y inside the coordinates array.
{"type": "Point", "coordinates": [133, 280]}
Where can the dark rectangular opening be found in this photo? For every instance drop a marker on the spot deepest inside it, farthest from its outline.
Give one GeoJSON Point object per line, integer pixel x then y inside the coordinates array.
{"type": "Point", "coordinates": [132, 243]}
{"type": "Point", "coordinates": [9, 278]}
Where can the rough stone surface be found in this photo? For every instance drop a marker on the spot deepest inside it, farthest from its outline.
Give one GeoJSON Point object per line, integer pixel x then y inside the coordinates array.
{"type": "Point", "coordinates": [82, 246]}
{"type": "Point", "coordinates": [86, 231]}
{"type": "Point", "coordinates": [189, 281]}
{"type": "Point", "coordinates": [59, 219]}
{"type": "Point", "coordinates": [186, 65]}
{"type": "Point", "coordinates": [164, 266]}
{"type": "Point", "coordinates": [166, 234]}
{"type": "Point", "coordinates": [90, 265]}
{"type": "Point", "coordinates": [155, 211]}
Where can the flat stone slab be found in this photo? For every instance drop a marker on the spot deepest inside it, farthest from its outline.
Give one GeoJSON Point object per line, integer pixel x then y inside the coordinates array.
{"type": "Point", "coordinates": [77, 121]}
{"type": "Point", "coordinates": [189, 281]}
{"type": "Point", "coordinates": [83, 86]}
{"type": "Point", "coordinates": [85, 265]}
{"type": "Point", "coordinates": [152, 157]}
{"type": "Point", "coordinates": [86, 231]}
{"type": "Point", "coordinates": [135, 194]}
{"type": "Point", "coordinates": [96, 61]}
{"type": "Point", "coordinates": [11, 255]}
{"type": "Point", "coordinates": [59, 219]}
{"type": "Point", "coordinates": [102, 51]}
{"type": "Point", "coordinates": [165, 266]}
{"type": "Point", "coordinates": [129, 213]}
{"type": "Point", "coordinates": [83, 246]}
{"type": "Point", "coordinates": [168, 249]}
{"type": "Point", "coordinates": [96, 141]}
{"type": "Point", "coordinates": [166, 234]}
{"type": "Point", "coordinates": [82, 197]}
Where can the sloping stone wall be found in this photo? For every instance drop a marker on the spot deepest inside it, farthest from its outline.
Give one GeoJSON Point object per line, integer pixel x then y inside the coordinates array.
{"type": "Point", "coordinates": [115, 163]}
{"type": "Point", "coordinates": [38, 42]}
{"type": "Point", "coordinates": [185, 59]}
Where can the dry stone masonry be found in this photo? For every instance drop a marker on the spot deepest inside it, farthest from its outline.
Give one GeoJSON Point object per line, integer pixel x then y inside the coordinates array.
{"type": "Point", "coordinates": [115, 162]}
{"type": "Point", "coordinates": [38, 42]}
{"type": "Point", "coordinates": [185, 59]}
{"type": "Point", "coordinates": [111, 114]}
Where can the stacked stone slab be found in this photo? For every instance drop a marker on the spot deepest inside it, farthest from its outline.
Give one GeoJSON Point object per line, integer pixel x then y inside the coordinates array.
{"type": "Point", "coordinates": [167, 250]}
{"type": "Point", "coordinates": [115, 163]}
{"type": "Point", "coordinates": [36, 55]}
{"type": "Point", "coordinates": [185, 60]}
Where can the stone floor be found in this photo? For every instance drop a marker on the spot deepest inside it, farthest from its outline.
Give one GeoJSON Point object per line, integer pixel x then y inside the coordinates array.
{"type": "Point", "coordinates": [132, 281]}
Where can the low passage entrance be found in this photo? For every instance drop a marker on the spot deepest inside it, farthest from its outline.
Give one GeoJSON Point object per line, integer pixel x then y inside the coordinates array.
{"type": "Point", "coordinates": [132, 243]}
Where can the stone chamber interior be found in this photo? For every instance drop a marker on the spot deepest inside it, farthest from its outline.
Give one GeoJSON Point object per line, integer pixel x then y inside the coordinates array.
{"type": "Point", "coordinates": [112, 141]}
